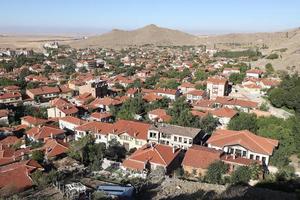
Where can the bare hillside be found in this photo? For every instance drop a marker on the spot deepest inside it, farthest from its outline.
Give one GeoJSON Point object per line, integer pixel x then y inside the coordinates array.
{"type": "Point", "coordinates": [286, 44]}
{"type": "Point", "coordinates": [150, 34]}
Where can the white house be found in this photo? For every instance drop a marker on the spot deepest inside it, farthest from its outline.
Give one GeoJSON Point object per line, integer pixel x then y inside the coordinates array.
{"type": "Point", "coordinates": [243, 144]}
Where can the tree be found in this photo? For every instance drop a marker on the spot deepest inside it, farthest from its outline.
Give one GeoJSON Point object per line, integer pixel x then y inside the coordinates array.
{"type": "Point", "coordinates": [272, 56]}
{"type": "Point", "coordinates": [180, 113]}
{"type": "Point", "coordinates": [200, 75]}
{"type": "Point", "coordinates": [215, 171]}
{"type": "Point", "coordinates": [208, 124]}
{"type": "Point", "coordinates": [79, 149]}
{"type": "Point", "coordinates": [243, 121]}
{"type": "Point", "coordinates": [236, 78]}
{"type": "Point", "coordinates": [264, 106]}
{"type": "Point", "coordinates": [38, 156]}
{"type": "Point", "coordinates": [277, 97]}
{"type": "Point", "coordinates": [151, 81]}
{"type": "Point", "coordinates": [241, 175]}
{"type": "Point", "coordinates": [269, 68]}
{"type": "Point", "coordinates": [115, 151]}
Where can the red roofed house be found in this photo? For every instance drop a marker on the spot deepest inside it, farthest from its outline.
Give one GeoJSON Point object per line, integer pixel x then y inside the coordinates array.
{"type": "Point", "coordinates": [10, 141]}
{"type": "Point", "coordinates": [224, 114]}
{"type": "Point", "coordinates": [131, 134]}
{"type": "Point", "coordinates": [101, 117]}
{"type": "Point", "coordinates": [45, 132]}
{"type": "Point", "coordinates": [55, 148]}
{"type": "Point", "coordinates": [9, 155]}
{"type": "Point", "coordinates": [244, 105]}
{"type": "Point", "coordinates": [4, 113]}
{"type": "Point", "coordinates": [61, 108]}
{"type": "Point", "coordinates": [153, 156]}
{"type": "Point", "coordinates": [186, 87]}
{"type": "Point", "coordinates": [31, 121]}
{"type": "Point", "coordinates": [228, 71]}
{"type": "Point", "coordinates": [243, 144]}
{"type": "Point", "coordinates": [10, 97]}
{"type": "Point", "coordinates": [15, 177]}
{"type": "Point", "coordinates": [159, 115]}
{"type": "Point", "coordinates": [217, 86]}
{"type": "Point", "coordinates": [195, 95]}
{"type": "Point", "coordinates": [198, 158]}
{"type": "Point", "coordinates": [104, 103]}
{"type": "Point", "coordinates": [70, 123]}
{"type": "Point", "coordinates": [99, 130]}
{"type": "Point", "coordinates": [46, 93]}
{"type": "Point", "coordinates": [256, 73]}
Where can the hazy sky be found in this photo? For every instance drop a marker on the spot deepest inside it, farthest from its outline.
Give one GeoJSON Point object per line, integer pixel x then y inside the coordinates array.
{"type": "Point", "coordinates": [195, 16]}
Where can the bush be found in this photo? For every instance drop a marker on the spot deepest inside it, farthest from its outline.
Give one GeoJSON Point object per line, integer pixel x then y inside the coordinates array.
{"type": "Point", "coordinates": [215, 171]}
{"type": "Point", "coordinates": [241, 175]}
{"type": "Point", "coordinates": [272, 56]}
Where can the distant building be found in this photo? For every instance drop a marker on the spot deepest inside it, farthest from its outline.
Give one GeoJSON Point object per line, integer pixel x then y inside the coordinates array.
{"type": "Point", "coordinates": [217, 86]}
{"type": "Point", "coordinates": [97, 87]}
{"type": "Point", "coordinates": [243, 144]}
{"type": "Point", "coordinates": [175, 136]}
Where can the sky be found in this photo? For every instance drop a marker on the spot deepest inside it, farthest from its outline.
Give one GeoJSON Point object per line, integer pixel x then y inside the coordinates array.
{"type": "Point", "coordinates": [193, 16]}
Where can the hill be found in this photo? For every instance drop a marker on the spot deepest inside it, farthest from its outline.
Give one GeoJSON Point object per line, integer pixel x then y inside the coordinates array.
{"type": "Point", "coordinates": [150, 34]}
{"type": "Point", "coordinates": [286, 44]}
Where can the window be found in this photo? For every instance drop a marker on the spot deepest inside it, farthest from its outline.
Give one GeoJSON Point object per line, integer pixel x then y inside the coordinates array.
{"type": "Point", "coordinates": [190, 141]}
{"type": "Point", "coordinates": [180, 139]}
{"type": "Point", "coordinates": [244, 153]}
{"type": "Point", "coordinates": [230, 150]}
{"type": "Point", "coordinates": [184, 140]}
{"type": "Point", "coordinates": [175, 138]}
{"type": "Point", "coordinates": [263, 160]}
{"type": "Point", "coordinates": [152, 135]}
{"type": "Point", "coordinates": [251, 156]}
{"type": "Point", "coordinates": [257, 158]}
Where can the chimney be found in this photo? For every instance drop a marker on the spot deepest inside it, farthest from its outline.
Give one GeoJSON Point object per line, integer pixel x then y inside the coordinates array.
{"type": "Point", "coordinates": [173, 149]}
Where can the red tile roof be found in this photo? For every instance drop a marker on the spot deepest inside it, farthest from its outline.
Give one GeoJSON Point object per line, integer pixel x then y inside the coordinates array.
{"type": "Point", "coordinates": [101, 115]}
{"type": "Point", "coordinates": [196, 92]}
{"type": "Point", "coordinates": [248, 140]}
{"type": "Point", "coordinates": [150, 97]}
{"type": "Point", "coordinates": [161, 113]}
{"type": "Point", "coordinates": [43, 132]}
{"type": "Point", "coordinates": [10, 95]}
{"type": "Point", "coordinates": [10, 140]}
{"type": "Point", "coordinates": [34, 120]}
{"type": "Point", "coordinates": [236, 102]}
{"type": "Point", "coordinates": [97, 127]}
{"type": "Point", "coordinates": [200, 156]}
{"type": "Point", "coordinates": [217, 80]}
{"type": "Point", "coordinates": [224, 112]}
{"type": "Point", "coordinates": [55, 147]}
{"type": "Point", "coordinates": [154, 154]}
{"type": "Point", "coordinates": [15, 180]}
{"type": "Point", "coordinates": [135, 129]}
{"type": "Point", "coordinates": [72, 120]}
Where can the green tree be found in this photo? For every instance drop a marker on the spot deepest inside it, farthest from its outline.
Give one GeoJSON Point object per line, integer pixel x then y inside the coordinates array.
{"type": "Point", "coordinates": [269, 68]}
{"type": "Point", "coordinates": [277, 97]}
{"type": "Point", "coordinates": [208, 124]}
{"type": "Point", "coordinates": [38, 156]}
{"type": "Point", "coordinates": [243, 121]}
{"type": "Point", "coordinates": [241, 175]}
{"type": "Point", "coordinates": [236, 78]}
{"type": "Point", "coordinates": [215, 172]}
{"type": "Point", "coordinates": [200, 75]}
{"type": "Point", "coordinates": [115, 151]}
